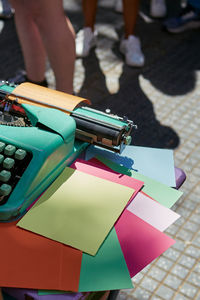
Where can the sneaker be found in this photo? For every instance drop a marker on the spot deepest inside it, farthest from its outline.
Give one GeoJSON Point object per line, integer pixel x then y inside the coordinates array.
{"type": "Point", "coordinates": [118, 6]}
{"type": "Point", "coordinates": [158, 8]}
{"type": "Point", "coordinates": [131, 48]}
{"type": "Point", "coordinates": [6, 11]}
{"type": "Point", "coordinates": [86, 39]}
{"type": "Point", "coordinates": [189, 18]}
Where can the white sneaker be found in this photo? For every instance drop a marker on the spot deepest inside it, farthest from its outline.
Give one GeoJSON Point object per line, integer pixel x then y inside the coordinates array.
{"type": "Point", "coordinates": [118, 6]}
{"type": "Point", "coordinates": [131, 48]}
{"type": "Point", "coordinates": [158, 8]}
{"type": "Point", "coordinates": [85, 41]}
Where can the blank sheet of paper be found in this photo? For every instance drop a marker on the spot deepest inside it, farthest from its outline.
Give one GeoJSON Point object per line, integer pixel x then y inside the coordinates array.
{"type": "Point", "coordinates": [162, 193]}
{"type": "Point", "coordinates": [152, 212]}
{"type": "Point", "coordinates": [155, 163]}
{"type": "Point", "coordinates": [141, 243]}
{"type": "Point", "coordinates": [78, 210]}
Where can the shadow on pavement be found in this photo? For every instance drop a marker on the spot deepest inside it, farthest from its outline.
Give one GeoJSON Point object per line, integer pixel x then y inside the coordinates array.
{"type": "Point", "coordinates": [171, 63]}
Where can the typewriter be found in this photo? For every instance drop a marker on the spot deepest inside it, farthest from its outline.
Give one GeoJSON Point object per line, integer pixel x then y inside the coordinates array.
{"type": "Point", "coordinates": [40, 136]}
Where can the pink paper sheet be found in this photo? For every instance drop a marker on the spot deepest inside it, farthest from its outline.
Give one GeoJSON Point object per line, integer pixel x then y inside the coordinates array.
{"type": "Point", "coordinates": [152, 212]}
{"type": "Point", "coordinates": [141, 243]}
{"type": "Point", "coordinates": [96, 168]}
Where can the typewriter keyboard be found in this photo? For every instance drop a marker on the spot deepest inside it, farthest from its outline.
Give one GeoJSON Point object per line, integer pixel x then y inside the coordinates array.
{"type": "Point", "coordinates": [13, 163]}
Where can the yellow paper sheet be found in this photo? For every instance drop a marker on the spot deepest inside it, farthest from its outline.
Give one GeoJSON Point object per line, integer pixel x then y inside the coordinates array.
{"type": "Point", "coordinates": [78, 210]}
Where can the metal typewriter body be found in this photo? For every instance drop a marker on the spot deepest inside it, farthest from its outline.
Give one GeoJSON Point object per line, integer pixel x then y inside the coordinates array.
{"type": "Point", "coordinates": [51, 140]}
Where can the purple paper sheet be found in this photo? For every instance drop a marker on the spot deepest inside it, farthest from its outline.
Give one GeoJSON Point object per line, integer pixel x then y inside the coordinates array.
{"type": "Point", "coordinates": [19, 294]}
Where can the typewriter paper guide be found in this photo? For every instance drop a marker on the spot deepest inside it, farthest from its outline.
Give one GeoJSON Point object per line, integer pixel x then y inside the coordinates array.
{"type": "Point", "coordinates": [47, 97]}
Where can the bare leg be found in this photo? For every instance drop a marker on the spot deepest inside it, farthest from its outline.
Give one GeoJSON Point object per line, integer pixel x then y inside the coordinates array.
{"type": "Point", "coordinates": [89, 11]}
{"type": "Point", "coordinates": [57, 35]}
{"type": "Point", "coordinates": [59, 40]}
{"type": "Point", "coordinates": [30, 40]}
{"type": "Point", "coordinates": [130, 12]}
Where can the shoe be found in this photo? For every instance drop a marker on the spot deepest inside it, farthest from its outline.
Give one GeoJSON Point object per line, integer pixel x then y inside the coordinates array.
{"type": "Point", "coordinates": [118, 6]}
{"type": "Point", "coordinates": [131, 48]}
{"type": "Point", "coordinates": [86, 39]}
{"type": "Point", "coordinates": [21, 77]}
{"type": "Point", "coordinates": [189, 18]}
{"type": "Point", "coordinates": [6, 11]}
{"type": "Point", "coordinates": [158, 8]}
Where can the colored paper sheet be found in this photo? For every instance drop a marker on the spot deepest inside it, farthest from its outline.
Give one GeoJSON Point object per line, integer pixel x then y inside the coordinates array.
{"type": "Point", "coordinates": [34, 294]}
{"type": "Point", "coordinates": [165, 195]}
{"type": "Point", "coordinates": [152, 212]}
{"type": "Point", "coordinates": [78, 210]}
{"type": "Point", "coordinates": [155, 163]}
{"type": "Point", "coordinates": [107, 270]}
{"type": "Point", "coordinates": [28, 260]}
{"type": "Point", "coordinates": [96, 168]}
{"type": "Point", "coordinates": [141, 243]}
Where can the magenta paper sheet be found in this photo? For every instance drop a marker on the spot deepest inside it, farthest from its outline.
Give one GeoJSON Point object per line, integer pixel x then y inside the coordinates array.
{"type": "Point", "coordinates": [141, 243]}
{"type": "Point", "coordinates": [98, 169]}
{"type": "Point", "coordinates": [152, 212]}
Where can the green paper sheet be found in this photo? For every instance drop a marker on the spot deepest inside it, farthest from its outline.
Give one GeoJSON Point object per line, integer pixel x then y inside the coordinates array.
{"type": "Point", "coordinates": [160, 192]}
{"type": "Point", "coordinates": [52, 292]}
{"type": "Point", "coordinates": [78, 210]}
{"type": "Point", "coordinates": [107, 270]}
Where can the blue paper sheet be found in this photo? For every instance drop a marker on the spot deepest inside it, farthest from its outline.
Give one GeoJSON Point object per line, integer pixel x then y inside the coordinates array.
{"type": "Point", "coordinates": [155, 163]}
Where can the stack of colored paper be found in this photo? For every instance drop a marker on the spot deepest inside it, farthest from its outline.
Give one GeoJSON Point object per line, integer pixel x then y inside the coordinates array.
{"type": "Point", "coordinates": [96, 227]}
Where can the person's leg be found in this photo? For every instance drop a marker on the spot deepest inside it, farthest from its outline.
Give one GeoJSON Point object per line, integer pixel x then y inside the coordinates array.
{"type": "Point", "coordinates": [130, 45]}
{"type": "Point", "coordinates": [130, 13]}
{"type": "Point", "coordinates": [89, 12]}
{"type": "Point", "coordinates": [30, 40]}
{"type": "Point", "coordinates": [59, 40]}
{"type": "Point", "coordinates": [41, 25]}
{"type": "Point", "coordinates": [86, 37]}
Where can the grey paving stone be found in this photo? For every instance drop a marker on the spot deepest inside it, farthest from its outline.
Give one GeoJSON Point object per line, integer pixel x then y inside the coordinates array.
{"type": "Point", "coordinates": [188, 290]}
{"type": "Point", "coordinates": [149, 284]}
{"type": "Point", "coordinates": [196, 240]}
{"type": "Point", "coordinates": [180, 271]}
{"type": "Point", "coordinates": [193, 251]}
{"type": "Point", "coordinates": [141, 294]}
{"type": "Point", "coordinates": [165, 292]}
{"type": "Point", "coordinates": [172, 254]}
{"type": "Point", "coordinates": [187, 261]}
{"type": "Point", "coordinates": [164, 263]}
{"type": "Point", "coordinates": [180, 297]}
{"type": "Point", "coordinates": [137, 278]}
{"type": "Point", "coordinates": [172, 281]}
{"type": "Point", "coordinates": [197, 267]}
{"type": "Point", "coordinates": [194, 278]}
{"type": "Point", "coordinates": [185, 235]}
{"type": "Point", "coordinates": [195, 218]}
{"type": "Point", "coordinates": [157, 273]}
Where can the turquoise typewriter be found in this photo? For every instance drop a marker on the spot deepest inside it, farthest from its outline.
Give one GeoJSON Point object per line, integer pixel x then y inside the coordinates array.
{"type": "Point", "coordinates": [41, 132]}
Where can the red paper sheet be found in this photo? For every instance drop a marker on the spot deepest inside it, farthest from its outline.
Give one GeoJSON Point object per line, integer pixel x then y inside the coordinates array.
{"type": "Point", "coordinates": [28, 260]}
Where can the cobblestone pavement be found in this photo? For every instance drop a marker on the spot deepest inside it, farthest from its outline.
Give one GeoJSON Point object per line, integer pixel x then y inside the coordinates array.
{"type": "Point", "coordinates": [163, 100]}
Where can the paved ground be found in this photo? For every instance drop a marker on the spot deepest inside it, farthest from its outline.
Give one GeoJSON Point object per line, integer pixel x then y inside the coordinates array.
{"type": "Point", "coordinates": [163, 100]}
